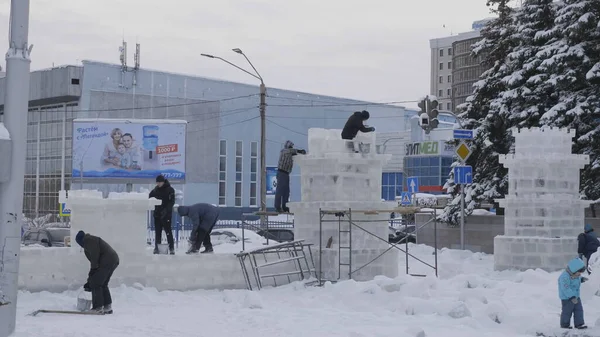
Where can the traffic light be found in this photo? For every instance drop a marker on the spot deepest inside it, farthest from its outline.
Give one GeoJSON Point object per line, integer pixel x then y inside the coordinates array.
{"type": "Point", "coordinates": [428, 118]}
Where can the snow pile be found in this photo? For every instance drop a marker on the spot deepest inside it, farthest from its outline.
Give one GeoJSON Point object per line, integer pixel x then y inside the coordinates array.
{"type": "Point", "coordinates": [4, 132]}
{"type": "Point", "coordinates": [469, 299]}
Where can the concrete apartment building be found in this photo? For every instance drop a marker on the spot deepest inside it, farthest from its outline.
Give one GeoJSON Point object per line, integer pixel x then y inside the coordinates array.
{"type": "Point", "coordinates": [453, 70]}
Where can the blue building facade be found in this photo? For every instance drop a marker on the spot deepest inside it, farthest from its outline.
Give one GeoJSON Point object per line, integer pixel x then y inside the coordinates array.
{"type": "Point", "coordinates": [223, 133]}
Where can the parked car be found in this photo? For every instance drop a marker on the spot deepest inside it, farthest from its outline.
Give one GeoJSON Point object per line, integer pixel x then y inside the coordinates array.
{"type": "Point", "coordinates": [234, 235]}
{"type": "Point", "coordinates": [403, 234]}
{"type": "Point", "coordinates": [277, 234]}
{"type": "Point", "coordinates": [47, 237]}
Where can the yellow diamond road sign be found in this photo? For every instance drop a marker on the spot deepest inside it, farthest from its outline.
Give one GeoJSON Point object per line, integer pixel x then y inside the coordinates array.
{"type": "Point", "coordinates": [462, 151]}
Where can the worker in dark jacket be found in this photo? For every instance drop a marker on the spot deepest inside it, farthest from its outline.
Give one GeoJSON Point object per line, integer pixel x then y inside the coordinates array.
{"type": "Point", "coordinates": [588, 244]}
{"type": "Point", "coordinates": [204, 217]}
{"type": "Point", "coordinates": [284, 168]}
{"type": "Point", "coordinates": [354, 124]}
{"type": "Point", "coordinates": [163, 212]}
{"type": "Point", "coordinates": [103, 262]}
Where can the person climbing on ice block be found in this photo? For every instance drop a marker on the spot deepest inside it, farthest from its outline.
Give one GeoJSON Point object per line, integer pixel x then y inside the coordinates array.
{"type": "Point", "coordinates": [163, 212]}
{"type": "Point", "coordinates": [569, 283]}
{"type": "Point", "coordinates": [284, 168]}
{"type": "Point", "coordinates": [588, 245]}
{"type": "Point", "coordinates": [354, 124]}
{"type": "Point", "coordinates": [204, 217]}
{"type": "Point", "coordinates": [103, 262]}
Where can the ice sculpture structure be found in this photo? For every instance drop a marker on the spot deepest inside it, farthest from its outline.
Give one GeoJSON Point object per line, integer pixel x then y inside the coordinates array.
{"type": "Point", "coordinates": [121, 218]}
{"type": "Point", "coordinates": [335, 178]}
{"type": "Point", "coordinates": [543, 210]}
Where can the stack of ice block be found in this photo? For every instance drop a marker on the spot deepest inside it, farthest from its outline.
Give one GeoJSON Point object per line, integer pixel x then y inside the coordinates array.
{"type": "Point", "coordinates": [543, 210]}
{"type": "Point", "coordinates": [333, 177]}
{"type": "Point", "coordinates": [120, 219]}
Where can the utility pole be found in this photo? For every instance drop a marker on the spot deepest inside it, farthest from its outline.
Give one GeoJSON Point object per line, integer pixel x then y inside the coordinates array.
{"type": "Point", "coordinates": [16, 104]}
{"type": "Point", "coordinates": [263, 151]}
{"type": "Point", "coordinates": [263, 128]}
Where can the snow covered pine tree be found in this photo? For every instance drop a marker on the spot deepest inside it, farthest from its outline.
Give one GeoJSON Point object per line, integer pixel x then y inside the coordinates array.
{"type": "Point", "coordinates": [482, 114]}
{"type": "Point", "coordinates": [575, 74]}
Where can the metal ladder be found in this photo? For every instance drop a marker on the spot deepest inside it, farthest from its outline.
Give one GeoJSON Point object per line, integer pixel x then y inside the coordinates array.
{"type": "Point", "coordinates": [341, 247]}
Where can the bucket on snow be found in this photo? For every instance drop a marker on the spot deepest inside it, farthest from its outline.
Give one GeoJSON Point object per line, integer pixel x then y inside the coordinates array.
{"type": "Point", "coordinates": [84, 301]}
{"type": "Point", "coordinates": [163, 248]}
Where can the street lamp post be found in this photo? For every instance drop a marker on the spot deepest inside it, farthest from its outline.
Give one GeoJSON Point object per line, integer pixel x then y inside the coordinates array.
{"type": "Point", "coordinates": [263, 140]}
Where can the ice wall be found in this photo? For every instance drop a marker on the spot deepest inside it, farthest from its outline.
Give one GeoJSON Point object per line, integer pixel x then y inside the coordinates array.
{"type": "Point", "coordinates": [543, 210]}
{"type": "Point", "coordinates": [335, 178]}
{"type": "Point", "coordinates": [121, 219]}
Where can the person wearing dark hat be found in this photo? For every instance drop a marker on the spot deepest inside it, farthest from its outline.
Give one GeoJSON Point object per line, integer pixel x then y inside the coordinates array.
{"type": "Point", "coordinates": [354, 124]}
{"type": "Point", "coordinates": [284, 168]}
{"type": "Point", "coordinates": [163, 212]}
{"type": "Point", "coordinates": [204, 217]}
{"type": "Point", "coordinates": [588, 244]}
{"type": "Point", "coordinates": [103, 262]}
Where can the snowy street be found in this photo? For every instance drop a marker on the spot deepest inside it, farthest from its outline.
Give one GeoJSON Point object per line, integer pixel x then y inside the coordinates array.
{"type": "Point", "coordinates": [466, 301]}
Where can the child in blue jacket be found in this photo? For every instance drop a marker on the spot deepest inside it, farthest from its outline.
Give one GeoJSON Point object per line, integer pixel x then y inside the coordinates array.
{"type": "Point", "coordinates": [569, 283]}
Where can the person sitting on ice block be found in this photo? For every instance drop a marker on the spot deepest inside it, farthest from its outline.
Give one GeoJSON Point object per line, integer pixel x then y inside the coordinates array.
{"type": "Point", "coordinates": [569, 283]}
{"type": "Point", "coordinates": [284, 168]}
{"type": "Point", "coordinates": [204, 217]}
{"type": "Point", "coordinates": [354, 124]}
{"type": "Point", "coordinates": [588, 244]}
{"type": "Point", "coordinates": [103, 262]}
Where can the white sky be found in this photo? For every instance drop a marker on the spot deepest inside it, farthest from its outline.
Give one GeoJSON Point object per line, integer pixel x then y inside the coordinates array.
{"type": "Point", "coordinates": [375, 50]}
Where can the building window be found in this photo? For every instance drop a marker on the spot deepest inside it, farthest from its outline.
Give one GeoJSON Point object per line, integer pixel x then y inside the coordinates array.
{"type": "Point", "coordinates": [449, 51]}
{"type": "Point", "coordinates": [239, 165]}
{"type": "Point", "coordinates": [253, 173]}
{"type": "Point", "coordinates": [440, 93]}
{"type": "Point", "coordinates": [432, 170]}
{"type": "Point", "coordinates": [441, 53]}
{"type": "Point", "coordinates": [448, 106]}
{"type": "Point", "coordinates": [449, 92]}
{"type": "Point", "coordinates": [391, 185]}
{"type": "Point", "coordinates": [441, 79]}
{"type": "Point", "coordinates": [222, 173]}
{"type": "Point", "coordinates": [449, 78]}
{"type": "Point", "coordinates": [449, 64]}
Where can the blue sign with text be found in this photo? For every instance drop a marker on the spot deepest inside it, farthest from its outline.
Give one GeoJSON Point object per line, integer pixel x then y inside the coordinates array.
{"type": "Point", "coordinates": [271, 180]}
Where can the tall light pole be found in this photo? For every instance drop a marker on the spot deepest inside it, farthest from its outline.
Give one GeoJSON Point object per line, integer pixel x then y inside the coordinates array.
{"type": "Point", "coordinates": [263, 140]}
{"type": "Point", "coordinates": [11, 190]}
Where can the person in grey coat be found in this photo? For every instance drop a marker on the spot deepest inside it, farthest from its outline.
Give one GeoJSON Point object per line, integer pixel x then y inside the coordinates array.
{"type": "Point", "coordinates": [204, 217]}
{"type": "Point", "coordinates": [284, 168]}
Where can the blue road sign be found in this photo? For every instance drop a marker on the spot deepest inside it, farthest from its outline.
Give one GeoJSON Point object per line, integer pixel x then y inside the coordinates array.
{"type": "Point", "coordinates": [406, 198]}
{"type": "Point", "coordinates": [64, 211]}
{"type": "Point", "coordinates": [463, 175]}
{"type": "Point", "coordinates": [413, 184]}
{"type": "Point", "coordinates": [463, 134]}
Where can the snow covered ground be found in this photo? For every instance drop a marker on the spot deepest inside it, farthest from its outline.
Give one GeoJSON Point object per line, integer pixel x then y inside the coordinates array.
{"type": "Point", "coordinates": [468, 299]}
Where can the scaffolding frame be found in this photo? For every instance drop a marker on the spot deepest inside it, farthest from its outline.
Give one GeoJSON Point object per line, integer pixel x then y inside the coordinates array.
{"type": "Point", "coordinates": [293, 252]}
{"type": "Point", "coordinates": [339, 214]}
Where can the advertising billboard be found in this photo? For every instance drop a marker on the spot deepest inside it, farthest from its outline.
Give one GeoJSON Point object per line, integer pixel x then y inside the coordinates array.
{"type": "Point", "coordinates": [128, 149]}
{"type": "Point", "coordinates": [271, 180]}
{"type": "Point", "coordinates": [430, 148]}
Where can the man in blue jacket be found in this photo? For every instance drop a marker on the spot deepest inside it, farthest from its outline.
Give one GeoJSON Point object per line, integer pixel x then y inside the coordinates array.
{"type": "Point", "coordinates": [204, 217]}
{"type": "Point", "coordinates": [588, 244]}
{"type": "Point", "coordinates": [569, 284]}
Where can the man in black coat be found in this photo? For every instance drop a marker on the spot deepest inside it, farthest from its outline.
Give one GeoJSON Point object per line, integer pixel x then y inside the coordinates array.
{"type": "Point", "coordinates": [103, 262]}
{"type": "Point", "coordinates": [163, 212]}
{"type": "Point", "coordinates": [204, 217]}
{"type": "Point", "coordinates": [354, 124]}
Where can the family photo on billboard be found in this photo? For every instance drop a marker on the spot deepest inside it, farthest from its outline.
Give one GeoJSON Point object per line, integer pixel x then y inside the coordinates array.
{"type": "Point", "coordinates": [121, 151]}
{"type": "Point", "coordinates": [131, 149]}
